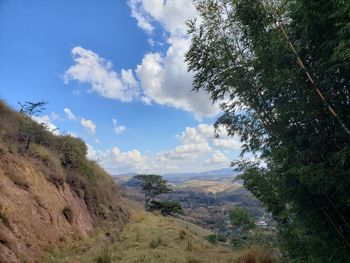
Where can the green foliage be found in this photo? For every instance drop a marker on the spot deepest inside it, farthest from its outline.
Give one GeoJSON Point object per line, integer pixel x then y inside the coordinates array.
{"type": "Point", "coordinates": [240, 218]}
{"type": "Point", "coordinates": [166, 207]}
{"type": "Point", "coordinates": [32, 108]}
{"type": "Point", "coordinates": [68, 214]}
{"type": "Point", "coordinates": [215, 239]}
{"type": "Point", "coordinates": [31, 131]}
{"type": "Point", "coordinates": [152, 185]}
{"type": "Point", "coordinates": [244, 228]}
{"type": "Point", "coordinates": [212, 239]}
{"type": "Point", "coordinates": [239, 53]}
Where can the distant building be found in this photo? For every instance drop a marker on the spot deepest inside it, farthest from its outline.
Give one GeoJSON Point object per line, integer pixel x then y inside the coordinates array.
{"type": "Point", "coordinates": [262, 223]}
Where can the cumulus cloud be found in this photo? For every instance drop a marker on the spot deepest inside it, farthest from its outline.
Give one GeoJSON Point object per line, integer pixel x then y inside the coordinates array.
{"type": "Point", "coordinates": [164, 77]}
{"type": "Point", "coordinates": [139, 14]}
{"type": "Point", "coordinates": [205, 133]}
{"type": "Point", "coordinates": [166, 81]}
{"type": "Point", "coordinates": [171, 14]}
{"type": "Point", "coordinates": [89, 125]}
{"type": "Point", "coordinates": [69, 114]}
{"type": "Point", "coordinates": [118, 129]}
{"type": "Point", "coordinates": [228, 143]}
{"type": "Point", "coordinates": [98, 73]}
{"type": "Point", "coordinates": [195, 152]}
{"type": "Point", "coordinates": [219, 158]}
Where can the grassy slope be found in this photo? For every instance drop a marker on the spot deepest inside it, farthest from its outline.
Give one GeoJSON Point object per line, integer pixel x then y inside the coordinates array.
{"type": "Point", "coordinates": [146, 238]}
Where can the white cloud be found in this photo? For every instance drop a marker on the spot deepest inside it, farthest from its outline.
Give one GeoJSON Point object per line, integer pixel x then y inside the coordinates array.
{"type": "Point", "coordinates": [171, 14]}
{"type": "Point", "coordinates": [91, 152]}
{"type": "Point", "coordinates": [166, 81]}
{"type": "Point", "coordinates": [89, 125]}
{"type": "Point", "coordinates": [139, 14]}
{"type": "Point", "coordinates": [54, 116]}
{"type": "Point", "coordinates": [69, 114]}
{"type": "Point", "coordinates": [118, 129]}
{"type": "Point", "coordinates": [164, 77]}
{"type": "Point", "coordinates": [47, 122]}
{"type": "Point", "coordinates": [219, 158]}
{"type": "Point", "coordinates": [94, 70]}
{"type": "Point", "coordinates": [228, 143]}
{"type": "Point", "coordinates": [146, 100]}
{"type": "Point", "coordinates": [195, 152]}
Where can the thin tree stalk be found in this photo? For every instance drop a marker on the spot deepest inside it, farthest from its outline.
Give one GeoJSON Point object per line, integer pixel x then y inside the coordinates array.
{"type": "Point", "coordinates": [307, 72]}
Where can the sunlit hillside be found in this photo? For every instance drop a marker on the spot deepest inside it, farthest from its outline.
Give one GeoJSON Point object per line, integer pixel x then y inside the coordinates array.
{"type": "Point", "coordinates": [149, 238]}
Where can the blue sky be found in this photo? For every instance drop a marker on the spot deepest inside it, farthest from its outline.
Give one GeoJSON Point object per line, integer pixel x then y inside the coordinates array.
{"type": "Point", "coordinates": [113, 73]}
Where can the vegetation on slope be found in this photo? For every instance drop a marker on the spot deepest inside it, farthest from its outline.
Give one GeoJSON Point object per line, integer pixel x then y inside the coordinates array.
{"type": "Point", "coordinates": [63, 161]}
{"type": "Point", "coordinates": [152, 238]}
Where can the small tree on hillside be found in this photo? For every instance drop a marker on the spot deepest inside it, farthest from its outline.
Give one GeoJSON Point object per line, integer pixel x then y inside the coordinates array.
{"type": "Point", "coordinates": [31, 109]}
{"type": "Point", "coordinates": [29, 128]}
{"type": "Point", "coordinates": [243, 224]}
{"type": "Point", "coordinates": [152, 185]}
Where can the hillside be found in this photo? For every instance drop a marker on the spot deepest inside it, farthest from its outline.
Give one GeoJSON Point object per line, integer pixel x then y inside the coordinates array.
{"type": "Point", "coordinates": [49, 192]}
{"type": "Point", "coordinates": [146, 238]}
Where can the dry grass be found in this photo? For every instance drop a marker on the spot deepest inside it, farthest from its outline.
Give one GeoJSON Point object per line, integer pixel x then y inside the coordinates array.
{"type": "Point", "coordinates": [4, 219]}
{"type": "Point", "coordinates": [63, 160]}
{"type": "Point", "coordinates": [149, 238]}
{"type": "Point", "coordinates": [55, 171]}
{"type": "Point", "coordinates": [139, 216]}
{"type": "Point", "coordinates": [255, 255]}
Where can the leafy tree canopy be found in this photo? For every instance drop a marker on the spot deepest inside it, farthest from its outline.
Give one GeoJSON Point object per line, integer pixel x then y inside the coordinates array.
{"type": "Point", "coordinates": [240, 55]}
{"type": "Point", "coordinates": [152, 185]}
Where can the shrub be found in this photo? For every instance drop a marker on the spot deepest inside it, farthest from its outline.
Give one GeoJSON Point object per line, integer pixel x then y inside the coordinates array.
{"type": "Point", "coordinates": [68, 214]}
{"type": "Point", "coordinates": [155, 242]}
{"type": "Point", "coordinates": [182, 234]}
{"type": "Point", "coordinates": [255, 255]}
{"type": "Point", "coordinates": [104, 257]}
{"type": "Point", "coordinates": [72, 152]}
{"type": "Point", "coordinates": [212, 239]}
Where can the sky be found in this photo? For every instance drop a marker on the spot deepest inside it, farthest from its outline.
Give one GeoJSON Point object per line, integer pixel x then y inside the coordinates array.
{"type": "Point", "coordinates": [113, 74]}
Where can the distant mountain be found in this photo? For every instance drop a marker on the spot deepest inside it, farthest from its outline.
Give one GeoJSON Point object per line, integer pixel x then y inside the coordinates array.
{"type": "Point", "coordinates": [207, 178]}
{"type": "Point", "coordinates": [215, 175]}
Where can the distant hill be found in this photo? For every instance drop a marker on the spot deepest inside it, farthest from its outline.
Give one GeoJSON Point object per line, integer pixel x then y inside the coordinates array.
{"type": "Point", "coordinates": [214, 175]}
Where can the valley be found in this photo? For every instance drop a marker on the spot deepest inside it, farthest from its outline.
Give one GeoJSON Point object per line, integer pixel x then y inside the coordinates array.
{"type": "Point", "coordinates": [206, 198]}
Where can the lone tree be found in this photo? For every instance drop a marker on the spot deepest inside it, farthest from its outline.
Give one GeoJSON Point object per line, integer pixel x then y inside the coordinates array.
{"type": "Point", "coordinates": [152, 185]}
{"type": "Point", "coordinates": [31, 109]}
{"type": "Point", "coordinates": [29, 129]}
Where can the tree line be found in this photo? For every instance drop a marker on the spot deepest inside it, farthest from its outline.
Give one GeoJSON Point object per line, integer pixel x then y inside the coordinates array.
{"type": "Point", "coordinates": [281, 73]}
